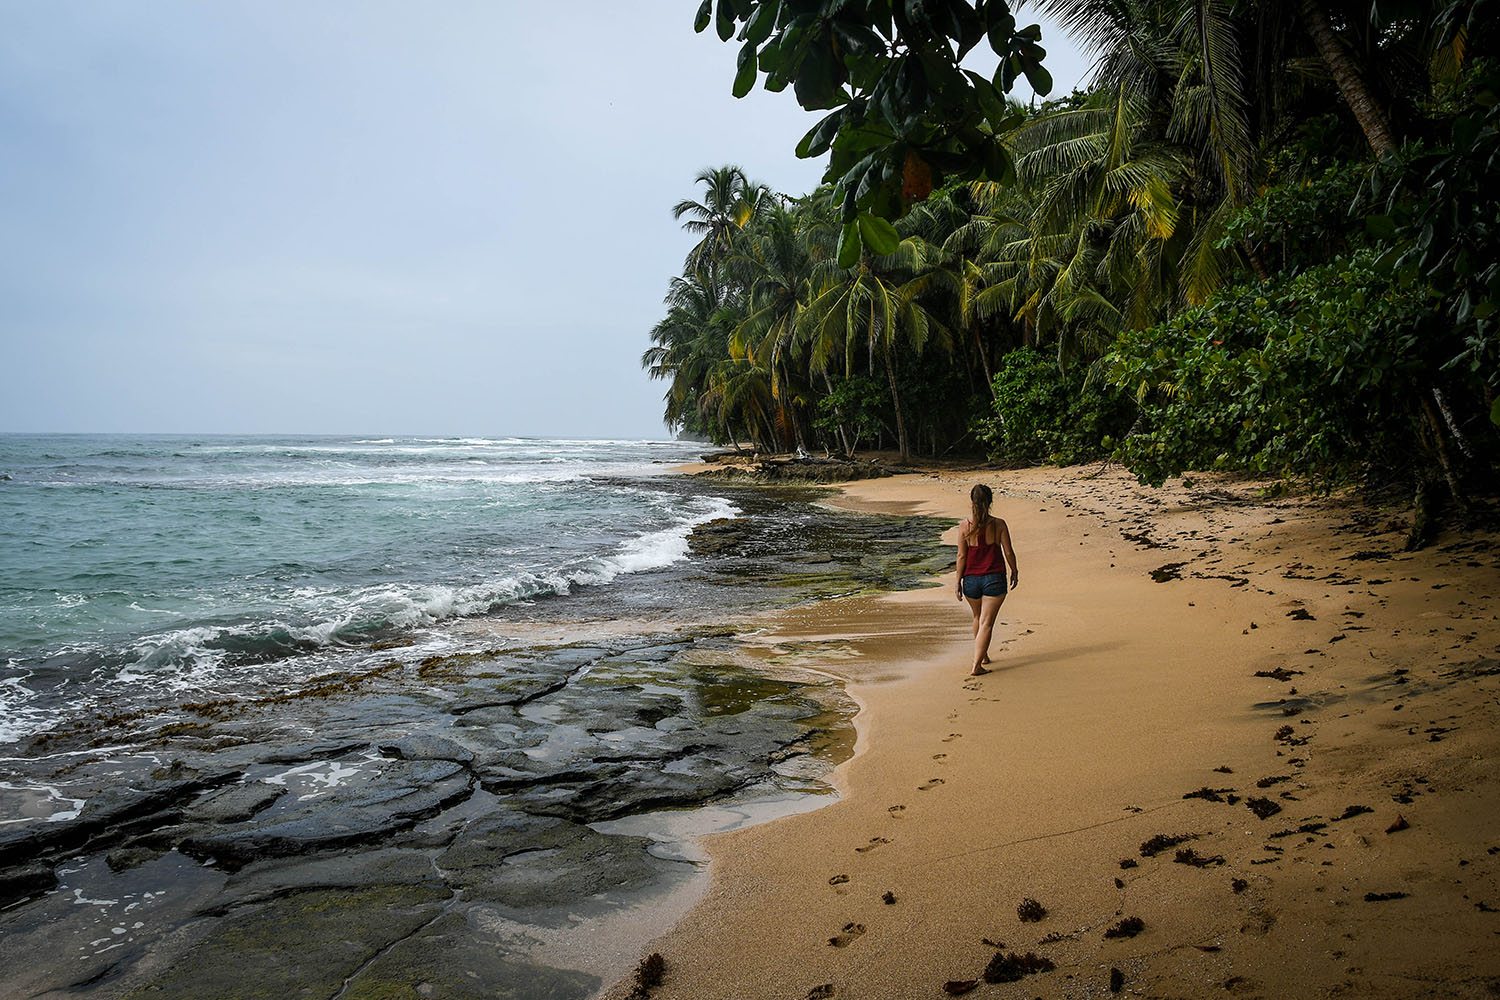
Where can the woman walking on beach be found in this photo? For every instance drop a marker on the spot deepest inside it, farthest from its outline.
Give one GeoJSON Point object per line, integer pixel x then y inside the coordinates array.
{"type": "Point", "coordinates": [983, 553]}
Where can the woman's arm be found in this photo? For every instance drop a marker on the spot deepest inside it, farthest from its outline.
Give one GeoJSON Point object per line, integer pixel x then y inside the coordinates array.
{"type": "Point", "coordinates": [1010, 554]}
{"type": "Point", "coordinates": [963, 552]}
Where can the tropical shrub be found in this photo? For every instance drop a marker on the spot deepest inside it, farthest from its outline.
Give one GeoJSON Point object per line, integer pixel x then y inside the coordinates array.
{"type": "Point", "coordinates": [1042, 414]}
{"type": "Point", "coordinates": [1316, 376]}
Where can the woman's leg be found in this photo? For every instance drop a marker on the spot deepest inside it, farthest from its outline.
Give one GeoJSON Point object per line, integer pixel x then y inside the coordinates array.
{"type": "Point", "coordinates": [984, 625]}
{"type": "Point", "coordinates": [976, 607]}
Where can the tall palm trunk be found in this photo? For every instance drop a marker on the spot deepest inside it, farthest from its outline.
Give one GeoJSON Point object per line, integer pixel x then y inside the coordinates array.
{"type": "Point", "coordinates": [1367, 111]}
{"type": "Point", "coordinates": [984, 360]}
{"type": "Point", "coordinates": [890, 372]}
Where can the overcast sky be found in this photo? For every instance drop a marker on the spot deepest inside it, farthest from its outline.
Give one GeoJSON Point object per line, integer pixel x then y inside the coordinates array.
{"type": "Point", "coordinates": [373, 217]}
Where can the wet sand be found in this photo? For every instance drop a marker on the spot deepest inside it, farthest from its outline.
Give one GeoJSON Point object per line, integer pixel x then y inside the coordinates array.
{"type": "Point", "coordinates": [1302, 716]}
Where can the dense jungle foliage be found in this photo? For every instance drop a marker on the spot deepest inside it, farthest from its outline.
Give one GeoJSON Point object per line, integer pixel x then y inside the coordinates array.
{"type": "Point", "coordinates": [1265, 237]}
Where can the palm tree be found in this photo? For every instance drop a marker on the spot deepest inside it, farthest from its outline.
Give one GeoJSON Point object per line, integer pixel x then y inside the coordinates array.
{"type": "Point", "coordinates": [873, 305]}
{"type": "Point", "coordinates": [730, 202]}
{"type": "Point", "coordinates": [771, 262]}
{"type": "Point", "coordinates": [686, 345]}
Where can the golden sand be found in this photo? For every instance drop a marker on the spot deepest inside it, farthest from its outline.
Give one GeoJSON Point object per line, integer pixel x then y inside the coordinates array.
{"type": "Point", "coordinates": [1113, 696]}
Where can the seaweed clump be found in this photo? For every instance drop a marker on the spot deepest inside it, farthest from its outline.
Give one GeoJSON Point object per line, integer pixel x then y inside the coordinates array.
{"type": "Point", "coordinates": [1030, 911]}
{"type": "Point", "coordinates": [1013, 968]}
{"type": "Point", "coordinates": [1262, 807]}
{"type": "Point", "coordinates": [1188, 856]}
{"type": "Point", "coordinates": [1128, 927]}
{"type": "Point", "coordinates": [1163, 841]}
{"type": "Point", "coordinates": [648, 975]}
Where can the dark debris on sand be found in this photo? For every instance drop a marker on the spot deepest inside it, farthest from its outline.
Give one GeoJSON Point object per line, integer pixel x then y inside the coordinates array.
{"type": "Point", "coordinates": [1262, 807]}
{"type": "Point", "coordinates": [1382, 897]}
{"type": "Point", "coordinates": [1188, 856]}
{"type": "Point", "coordinates": [1128, 927]}
{"type": "Point", "coordinates": [1209, 794]}
{"type": "Point", "coordinates": [958, 987]}
{"type": "Point", "coordinates": [1171, 571]}
{"type": "Point", "coordinates": [1116, 980]}
{"type": "Point", "coordinates": [1163, 841]}
{"type": "Point", "coordinates": [1011, 968]}
{"type": "Point", "coordinates": [648, 975]}
{"type": "Point", "coordinates": [1030, 911]}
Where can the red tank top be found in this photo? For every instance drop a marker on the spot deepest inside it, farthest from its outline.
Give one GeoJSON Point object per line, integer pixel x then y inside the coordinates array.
{"type": "Point", "coordinates": [982, 558]}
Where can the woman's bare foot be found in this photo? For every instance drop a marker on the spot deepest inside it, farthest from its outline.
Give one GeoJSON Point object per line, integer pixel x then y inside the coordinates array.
{"type": "Point", "coordinates": [978, 670]}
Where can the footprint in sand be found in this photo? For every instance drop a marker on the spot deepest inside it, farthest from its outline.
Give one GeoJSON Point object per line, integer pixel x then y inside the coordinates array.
{"type": "Point", "coordinates": [896, 812]}
{"type": "Point", "coordinates": [930, 783]}
{"type": "Point", "coordinates": [874, 843]}
{"type": "Point", "coordinates": [951, 737]}
{"type": "Point", "coordinates": [938, 756]}
{"type": "Point", "coordinates": [847, 935]}
{"type": "Point", "coordinates": [838, 880]}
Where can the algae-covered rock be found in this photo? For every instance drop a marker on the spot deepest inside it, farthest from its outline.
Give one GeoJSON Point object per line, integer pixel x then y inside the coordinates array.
{"type": "Point", "coordinates": [450, 959]}
{"type": "Point", "coordinates": [397, 796]}
{"type": "Point", "coordinates": [303, 945]}
{"type": "Point", "coordinates": [529, 862]}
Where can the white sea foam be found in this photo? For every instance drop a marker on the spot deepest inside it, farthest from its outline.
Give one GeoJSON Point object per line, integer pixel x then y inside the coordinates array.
{"type": "Point", "coordinates": [19, 716]}
{"type": "Point", "coordinates": [656, 549]}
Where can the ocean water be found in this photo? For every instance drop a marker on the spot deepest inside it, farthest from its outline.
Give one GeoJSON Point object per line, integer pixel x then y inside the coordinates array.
{"type": "Point", "coordinates": [148, 568]}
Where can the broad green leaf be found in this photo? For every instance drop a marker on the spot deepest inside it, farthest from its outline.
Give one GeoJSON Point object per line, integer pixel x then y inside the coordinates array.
{"type": "Point", "coordinates": [1038, 77]}
{"type": "Point", "coordinates": [744, 79]}
{"type": "Point", "coordinates": [725, 20]}
{"type": "Point", "coordinates": [990, 101]}
{"type": "Point", "coordinates": [816, 84]}
{"type": "Point", "coordinates": [1495, 413]}
{"type": "Point", "coordinates": [1002, 24]}
{"type": "Point", "coordinates": [821, 136]}
{"type": "Point", "coordinates": [705, 14]}
{"type": "Point", "coordinates": [879, 235]}
{"type": "Point", "coordinates": [849, 245]}
{"type": "Point", "coordinates": [763, 22]}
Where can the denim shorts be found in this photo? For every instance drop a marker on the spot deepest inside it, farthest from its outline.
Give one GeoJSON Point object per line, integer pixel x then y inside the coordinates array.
{"type": "Point", "coordinates": [985, 585]}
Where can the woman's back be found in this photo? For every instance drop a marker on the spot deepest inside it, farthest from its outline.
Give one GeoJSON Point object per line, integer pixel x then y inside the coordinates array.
{"type": "Point", "coordinates": [984, 555]}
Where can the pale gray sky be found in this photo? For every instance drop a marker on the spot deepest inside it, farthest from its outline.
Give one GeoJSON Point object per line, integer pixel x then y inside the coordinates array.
{"type": "Point", "coordinates": [374, 217]}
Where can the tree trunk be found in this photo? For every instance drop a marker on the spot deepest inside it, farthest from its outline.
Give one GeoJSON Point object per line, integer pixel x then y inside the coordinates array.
{"type": "Point", "coordinates": [1367, 111]}
{"type": "Point", "coordinates": [1423, 509]}
{"type": "Point", "coordinates": [1256, 263]}
{"type": "Point", "coordinates": [1448, 418]}
{"type": "Point", "coordinates": [984, 359]}
{"type": "Point", "coordinates": [890, 371]}
{"type": "Point", "coordinates": [1445, 458]}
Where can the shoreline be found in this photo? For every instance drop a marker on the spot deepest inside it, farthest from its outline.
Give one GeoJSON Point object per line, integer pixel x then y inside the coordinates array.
{"type": "Point", "coordinates": [1125, 706]}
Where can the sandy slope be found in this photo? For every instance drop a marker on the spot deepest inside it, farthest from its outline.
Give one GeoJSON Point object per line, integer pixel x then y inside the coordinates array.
{"type": "Point", "coordinates": [1114, 695]}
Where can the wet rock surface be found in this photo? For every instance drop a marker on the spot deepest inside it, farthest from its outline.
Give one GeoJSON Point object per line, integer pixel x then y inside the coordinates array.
{"type": "Point", "coordinates": [796, 470]}
{"type": "Point", "coordinates": [385, 832]}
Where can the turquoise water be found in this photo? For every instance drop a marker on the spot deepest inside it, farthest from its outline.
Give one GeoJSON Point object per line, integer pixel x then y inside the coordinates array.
{"type": "Point", "coordinates": [150, 565]}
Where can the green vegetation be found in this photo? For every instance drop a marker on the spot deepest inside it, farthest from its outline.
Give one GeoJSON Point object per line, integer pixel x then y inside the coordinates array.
{"type": "Point", "coordinates": [1265, 238]}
